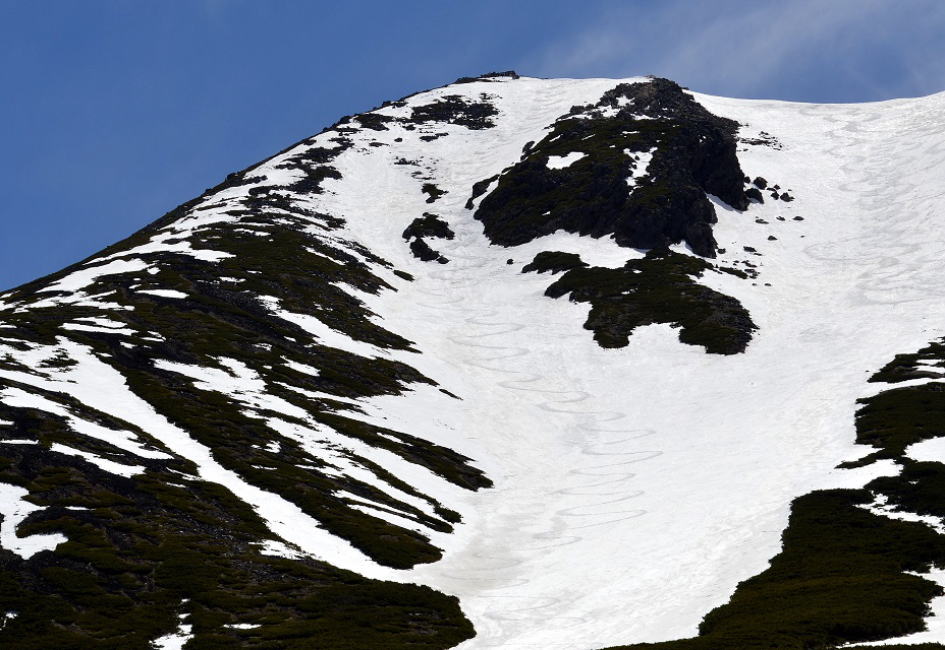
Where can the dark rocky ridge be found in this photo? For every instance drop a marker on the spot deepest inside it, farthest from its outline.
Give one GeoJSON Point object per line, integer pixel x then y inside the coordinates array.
{"type": "Point", "coordinates": [694, 154]}
{"type": "Point", "coordinates": [659, 288]}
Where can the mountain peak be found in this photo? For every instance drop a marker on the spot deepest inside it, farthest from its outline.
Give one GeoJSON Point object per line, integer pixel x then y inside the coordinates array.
{"type": "Point", "coordinates": [339, 399]}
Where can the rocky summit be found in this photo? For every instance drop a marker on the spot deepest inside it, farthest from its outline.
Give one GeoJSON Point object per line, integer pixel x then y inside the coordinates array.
{"type": "Point", "coordinates": [511, 363]}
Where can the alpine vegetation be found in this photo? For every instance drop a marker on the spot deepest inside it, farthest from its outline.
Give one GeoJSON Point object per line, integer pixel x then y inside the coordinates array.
{"type": "Point", "coordinates": [511, 363]}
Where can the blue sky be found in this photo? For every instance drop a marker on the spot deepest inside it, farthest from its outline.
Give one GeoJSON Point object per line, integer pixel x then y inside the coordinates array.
{"type": "Point", "coordinates": [115, 111]}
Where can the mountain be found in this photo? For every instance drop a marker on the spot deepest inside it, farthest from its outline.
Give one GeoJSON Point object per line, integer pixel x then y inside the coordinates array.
{"type": "Point", "coordinates": [511, 363]}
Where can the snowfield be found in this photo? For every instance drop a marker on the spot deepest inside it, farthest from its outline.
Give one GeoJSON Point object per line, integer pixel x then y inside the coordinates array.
{"type": "Point", "coordinates": [635, 487]}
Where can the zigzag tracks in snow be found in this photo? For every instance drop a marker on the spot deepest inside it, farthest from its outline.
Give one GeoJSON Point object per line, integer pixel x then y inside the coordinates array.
{"type": "Point", "coordinates": [603, 502]}
{"type": "Point", "coordinates": [593, 462]}
{"type": "Point", "coordinates": [580, 481]}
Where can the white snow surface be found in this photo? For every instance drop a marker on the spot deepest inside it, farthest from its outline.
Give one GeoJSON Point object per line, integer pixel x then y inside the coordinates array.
{"type": "Point", "coordinates": [108, 465]}
{"type": "Point", "coordinates": [172, 240]}
{"type": "Point", "coordinates": [641, 163]}
{"type": "Point", "coordinates": [324, 334]}
{"type": "Point", "coordinates": [164, 293]}
{"type": "Point", "coordinates": [928, 450]}
{"type": "Point", "coordinates": [177, 639]}
{"type": "Point", "coordinates": [560, 162]}
{"type": "Point", "coordinates": [634, 487]}
{"type": "Point", "coordinates": [14, 509]}
{"type": "Point", "coordinates": [80, 279]}
{"type": "Point", "coordinates": [82, 327]}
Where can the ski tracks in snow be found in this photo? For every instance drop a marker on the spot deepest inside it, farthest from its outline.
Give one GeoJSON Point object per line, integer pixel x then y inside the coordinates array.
{"type": "Point", "coordinates": [598, 483]}
{"type": "Point", "coordinates": [578, 482]}
{"type": "Point", "coordinates": [635, 488]}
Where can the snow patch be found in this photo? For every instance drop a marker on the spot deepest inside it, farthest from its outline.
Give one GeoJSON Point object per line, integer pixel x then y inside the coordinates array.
{"type": "Point", "coordinates": [80, 327]}
{"type": "Point", "coordinates": [640, 165]}
{"type": "Point", "coordinates": [82, 278]}
{"type": "Point", "coordinates": [303, 368]}
{"type": "Point", "coordinates": [164, 293]}
{"type": "Point", "coordinates": [170, 241]}
{"type": "Point", "coordinates": [177, 639]}
{"type": "Point", "coordinates": [931, 450]}
{"type": "Point", "coordinates": [561, 162]}
{"type": "Point", "coordinates": [109, 466]}
{"type": "Point", "coordinates": [325, 335]}
{"type": "Point", "coordinates": [279, 549]}
{"type": "Point", "coordinates": [124, 440]}
{"type": "Point", "coordinates": [15, 509]}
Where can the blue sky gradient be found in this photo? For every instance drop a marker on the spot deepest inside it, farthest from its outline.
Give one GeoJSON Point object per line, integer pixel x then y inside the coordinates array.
{"type": "Point", "coordinates": [115, 111]}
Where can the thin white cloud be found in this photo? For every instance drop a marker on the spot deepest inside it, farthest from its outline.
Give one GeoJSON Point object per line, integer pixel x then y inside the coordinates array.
{"type": "Point", "coordinates": [741, 47]}
{"type": "Point", "coordinates": [755, 45]}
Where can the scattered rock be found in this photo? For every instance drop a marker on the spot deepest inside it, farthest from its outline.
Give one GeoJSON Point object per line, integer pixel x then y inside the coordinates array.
{"type": "Point", "coordinates": [432, 191]}
{"type": "Point", "coordinates": [429, 225]}
{"type": "Point", "coordinates": [456, 109]}
{"type": "Point", "coordinates": [422, 251]}
{"type": "Point", "coordinates": [375, 121]}
{"type": "Point", "coordinates": [554, 261]}
{"type": "Point", "coordinates": [765, 139]}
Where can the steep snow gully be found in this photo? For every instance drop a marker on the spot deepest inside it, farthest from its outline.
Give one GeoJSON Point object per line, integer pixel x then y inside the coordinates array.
{"type": "Point", "coordinates": [632, 488]}
{"type": "Point", "coordinates": [636, 487]}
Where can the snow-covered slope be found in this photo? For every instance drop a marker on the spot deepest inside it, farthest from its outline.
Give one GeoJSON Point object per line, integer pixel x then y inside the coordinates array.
{"type": "Point", "coordinates": [275, 385]}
